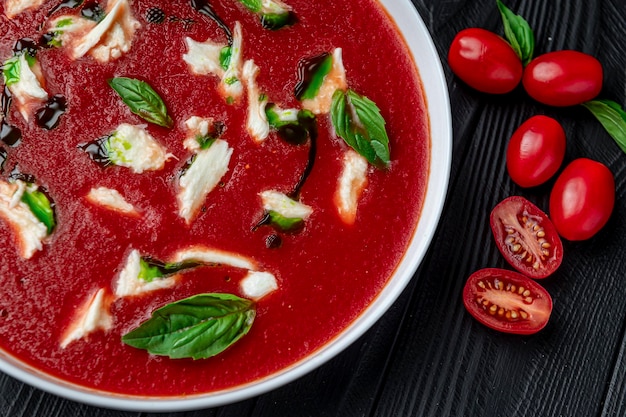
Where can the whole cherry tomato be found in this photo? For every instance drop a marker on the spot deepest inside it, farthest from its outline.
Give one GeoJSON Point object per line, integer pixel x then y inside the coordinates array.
{"type": "Point", "coordinates": [582, 199]}
{"type": "Point", "coordinates": [535, 151]}
{"type": "Point", "coordinates": [507, 301]}
{"type": "Point", "coordinates": [563, 78]}
{"type": "Point", "coordinates": [526, 237]}
{"type": "Point", "coordinates": [485, 61]}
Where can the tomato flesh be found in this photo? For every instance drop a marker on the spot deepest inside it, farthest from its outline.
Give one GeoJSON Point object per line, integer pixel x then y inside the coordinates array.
{"type": "Point", "coordinates": [507, 301]}
{"type": "Point", "coordinates": [535, 151]}
{"type": "Point", "coordinates": [563, 78]}
{"type": "Point", "coordinates": [485, 61]}
{"type": "Point", "coordinates": [582, 199]}
{"type": "Point", "coordinates": [526, 237]}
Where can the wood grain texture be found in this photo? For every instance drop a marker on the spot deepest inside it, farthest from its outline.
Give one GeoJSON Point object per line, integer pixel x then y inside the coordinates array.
{"type": "Point", "coordinates": [427, 357]}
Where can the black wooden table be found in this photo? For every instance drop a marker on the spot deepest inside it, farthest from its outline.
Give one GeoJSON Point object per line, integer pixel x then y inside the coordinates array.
{"type": "Point", "coordinates": [427, 356]}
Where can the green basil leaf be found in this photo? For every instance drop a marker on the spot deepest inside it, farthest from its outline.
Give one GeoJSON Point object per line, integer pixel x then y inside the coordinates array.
{"type": "Point", "coordinates": [225, 55]}
{"type": "Point", "coordinates": [285, 223]}
{"type": "Point", "coordinates": [612, 117]}
{"type": "Point", "coordinates": [252, 5]}
{"type": "Point", "coordinates": [197, 327]}
{"type": "Point", "coordinates": [41, 207]}
{"type": "Point", "coordinates": [142, 100]}
{"type": "Point", "coordinates": [357, 120]}
{"type": "Point", "coordinates": [151, 269]}
{"type": "Point", "coordinates": [275, 21]}
{"type": "Point", "coordinates": [319, 73]}
{"type": "Point", "coordinates": [11, 71]}
{"type": "Point", "coordinates": [518, 32]}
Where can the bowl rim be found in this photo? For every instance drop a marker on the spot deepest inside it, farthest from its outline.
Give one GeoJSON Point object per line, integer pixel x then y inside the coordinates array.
{"type": "Point", "coordinates": [417, 38]}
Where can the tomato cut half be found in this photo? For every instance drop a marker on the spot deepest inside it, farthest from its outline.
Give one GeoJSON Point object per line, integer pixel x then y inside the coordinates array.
{"type": "Point", "coordinates": [507, 301]}
{"type": "Point", "coordinates": [526, 237]}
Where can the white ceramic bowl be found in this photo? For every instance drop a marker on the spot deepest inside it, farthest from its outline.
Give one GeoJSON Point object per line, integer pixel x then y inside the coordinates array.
{"type": "Point", "coordinates": [429, 66]}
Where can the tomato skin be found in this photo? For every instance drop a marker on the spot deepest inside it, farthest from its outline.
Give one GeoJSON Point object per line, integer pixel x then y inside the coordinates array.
{"type": "Point", "coordinates": [582, 199]}
{"type": "Point", "coordinates": [563, 78]}
{"type": "Point", "coordinates": [535, 151]}
{"type": "Point", "coordinates": [485, 61]}
{"type": "Point", "coordinates": [526, 237]}
{"type": "Point", "coordinates": [507, 290]}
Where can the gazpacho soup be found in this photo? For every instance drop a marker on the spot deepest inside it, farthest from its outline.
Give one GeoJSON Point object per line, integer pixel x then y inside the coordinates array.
{"type": "Point", "coordinates": [197, 194]}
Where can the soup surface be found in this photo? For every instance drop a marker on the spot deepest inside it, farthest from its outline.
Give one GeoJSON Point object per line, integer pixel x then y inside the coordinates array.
{"type": "Point", "coordinates": [325, 271]}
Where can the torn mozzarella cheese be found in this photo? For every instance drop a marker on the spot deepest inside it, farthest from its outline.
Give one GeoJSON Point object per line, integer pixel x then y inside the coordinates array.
{"type": "Point", "coordinates": [133, 147]}
{"type": "Point", "coordinates": [111, 37]}
{"type": "Point", "coordinates": [203, 58]}
{"type": "Point", "coordinates": [27, 90]}
{"type": "Point", "coordinates": [29, 230]}
{"type": "Point", "coordinates": [111, 199]}
{"type": "Point", "coordinates": [68, 30]}
{"type": "Point", "coordinates": [14, 7]}
{"type": "Point", "coordinates": [196, 127]}
{"type": "Point", "coordinates": [285, 206]}
{"type": "Point", "coordinates": [334, 80]}
{"type": "Point", "coordinates": [129, 283]}
{"type": "Point", "coordinates": [257, 125]}
{"type": "Point", "coordinates": [214, 256]}
{"type": "Point", "coordinates": [350, 186]}
{"type": "Point", "coordinates": [201, 177]}
{"type": "Point", "coordinates": [258, 284]}
{"type": "Point", "coordinates": [91, 316]}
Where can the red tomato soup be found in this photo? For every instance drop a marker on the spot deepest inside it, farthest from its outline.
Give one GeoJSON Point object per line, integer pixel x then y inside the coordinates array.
{"type": "Point", "coordinates": [327, 270]}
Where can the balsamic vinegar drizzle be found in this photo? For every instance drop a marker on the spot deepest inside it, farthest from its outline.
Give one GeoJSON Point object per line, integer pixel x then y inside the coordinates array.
{"type": "Point", "coordinates": [92, 11]}
{"type": "Point", "coordinates": [306, 71]}
{"type": "Point", "coordinates": [205, 8]}
{"type": "Point", "coordinates": [9, 134]}
{"type": "Point", "coordinates": [3, 158]}
{"type": "Point", "coordinates": [49, 115]}
{"type": "Point", "coordinates": [97, 151]}
{"type": "Point", "coordinates": [67, 4]}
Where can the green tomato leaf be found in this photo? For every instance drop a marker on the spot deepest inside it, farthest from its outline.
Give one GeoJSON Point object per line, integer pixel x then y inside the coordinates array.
{"type": "Point", "coordinates": [40, 206]}
{"type": "Point", "coordinates": [518, 32]}
{"type": "Point", "coordinates": [197, 327]}
{"type": "Point", "coordinates": [357, 120]}
{"type": "Point", "coordinates": [612, 117]}
{"type": "Point", "coordinates": [142, 100]}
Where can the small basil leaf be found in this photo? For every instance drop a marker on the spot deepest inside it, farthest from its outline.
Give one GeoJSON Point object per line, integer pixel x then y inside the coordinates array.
{"type": "Point", "coordinates": [197, 327]}
{"type": "Point", "coordinates": [11, 71]}
{"type": "Point", "coordinates": [41, 207]}
{"type": "Point", "coordinates": [275, 21]}
{"type": "Point", "coordinates": [518, 32]}
{"type": "Point", "coordinates": [310, 87]}
{"type": "Point", "coordinates": [142, 100]}
{"type": "Point", "coordinates": [612, 117]}
{"type": "Point", "coordinates": [225, 56]}
{"type": "Point", "coordinates": [357, 120]}
{"type": "Point", "coordinates": [252, 5]}
{"type": "Point", "coordinates": [285, 223]}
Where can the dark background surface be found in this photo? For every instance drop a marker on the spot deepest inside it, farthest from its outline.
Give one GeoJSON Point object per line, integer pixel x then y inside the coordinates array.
{"type": "Point", "coordinates": [427, 356]}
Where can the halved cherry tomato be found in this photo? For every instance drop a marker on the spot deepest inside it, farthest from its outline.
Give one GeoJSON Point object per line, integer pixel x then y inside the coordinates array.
{"type": "Point", "coordinates": [582, 199]}
{"type": "Point", "coordinates": [507, 301]}
{"type": "Point", "coordinates": [563, 78]}
{"type": "Point", "coordinates": [485, 61]}
{"type": "Point", "coordinates": [535, 151]}
{"type": "Point", "coordinates": [526, 237]}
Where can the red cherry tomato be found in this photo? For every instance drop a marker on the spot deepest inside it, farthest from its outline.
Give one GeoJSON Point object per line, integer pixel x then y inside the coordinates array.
{"type": "Point", "coordinates": [507, 301]}
{"type": "Point", "coordinates": [563, 78]}
{"type": "Point", "coordinates": [526, 237]}
{"type": "Point", "coordinates": [582, 199]}
{"type": "Point", "coordinates": [485, 61]}
{"type": "Point", "coordinates": [535, 151]}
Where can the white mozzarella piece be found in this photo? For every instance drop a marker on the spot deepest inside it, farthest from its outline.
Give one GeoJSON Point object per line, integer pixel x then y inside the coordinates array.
{"type": "Point", "coordinates": [129, 284]}
{"type": "Point", "coordinates": [196, 126]}
{"type": "Point", "coordinates": [334, 80]}
{"type": "Point", "coordinates": [257, 285]}
{"type": "Point", "coordinates": [256, 124]}
{"type": "Point", "coordinates": [92, 316]}
{"type": "Point", "coordinates": [29, 230]}
{"type": "Point", "coordinates": [350, 186]}
{"type": "Point", "coordinates": [133, 147]}
{"type": "Point", "coordinates": [285, 206]}
{"type": "Point", "coordinates": [214, 256]}
{"type": "Point", "coordinates": [231, 87]}
{"type": "Point", "coordinates": [206, 171]}
{"type": "Point", "coordinates": [27, 92]}
{"type": "Point", "coordinates": [111, 199]}
{"type": "Point", "coordinates": [14, 7]}
{"type": "Point", "coordinates": [204, 57]}
{"type": "Point", "coordinates": [110, 38]}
